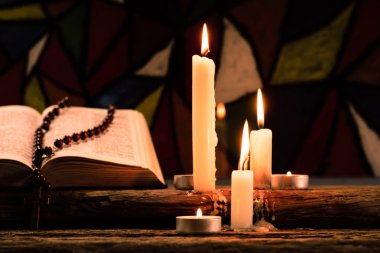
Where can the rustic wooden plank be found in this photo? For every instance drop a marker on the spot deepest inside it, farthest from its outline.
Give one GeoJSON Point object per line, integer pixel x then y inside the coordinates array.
{"type": "Point", "coordinates": [127, 240]}
{"type": "Point", "coordinates": [320, 207]}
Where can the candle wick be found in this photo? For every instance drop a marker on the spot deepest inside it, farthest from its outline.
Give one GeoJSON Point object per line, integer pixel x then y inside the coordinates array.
{"type": "Point", "coordinates": [245, 163]}
{"type": "Point", "coordinates": [206, 53]}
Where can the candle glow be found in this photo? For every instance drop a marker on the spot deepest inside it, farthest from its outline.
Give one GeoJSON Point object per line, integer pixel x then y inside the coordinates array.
{"type": "Point", "coordinates": [288, 173]}
{"type": "Point", "coordinates": [205, 49]}
{"type": "Point", "coordinates": [220, 111]}
{"type": "Point", "coordinates": [260, 109]}
{"type": "Point", "coordinates": [244, 151]}
{"type": "Point", "coordinates": [199, 212]}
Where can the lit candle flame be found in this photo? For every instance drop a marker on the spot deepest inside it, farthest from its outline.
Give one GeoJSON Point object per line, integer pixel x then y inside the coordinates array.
{"type": "Point", "coordinates": [288, 173]}
{"type": "Point", "coordinates": [244, 152]}
{"type": "Point", "coordinates": [220, 111]}
{"type": "Point", "coordinates": [199, 212]}
{"type": "Point", "coordinates": [205, 47]}
{"type": "Point", "coordinates": [260, 109]}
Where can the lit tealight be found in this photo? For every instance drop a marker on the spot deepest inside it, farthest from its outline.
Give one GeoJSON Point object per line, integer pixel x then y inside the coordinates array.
{"type": "Point", "coordinates": [198, 224]}
{"type": "Point", "coordinates": [290, 181]}
{"type": "Point", "coordinates": [199, 212]}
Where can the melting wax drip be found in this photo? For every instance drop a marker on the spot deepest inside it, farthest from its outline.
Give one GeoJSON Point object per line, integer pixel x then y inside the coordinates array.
{"type": "Point", "coordinates": [220, 203]}
{"type": "Point", "coordinates": [262, 208]}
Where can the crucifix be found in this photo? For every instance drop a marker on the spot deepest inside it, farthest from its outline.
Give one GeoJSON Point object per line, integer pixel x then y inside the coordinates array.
{"type": "Point", "coordinates": [37, 199]}
{"type": "Point", "coordinates": [41, 186]}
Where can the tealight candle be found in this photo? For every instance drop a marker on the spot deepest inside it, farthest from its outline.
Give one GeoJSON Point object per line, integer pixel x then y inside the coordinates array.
{"type": "Point", "coordinates": [290, 181]}
{"type": "Point", "coordinates": [183, 182]}
{"type": "Point", "coordinates": [199, 224]}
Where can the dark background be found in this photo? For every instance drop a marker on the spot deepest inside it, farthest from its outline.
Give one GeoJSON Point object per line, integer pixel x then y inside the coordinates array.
{"type": "Point", "coordinates": [318, 63]}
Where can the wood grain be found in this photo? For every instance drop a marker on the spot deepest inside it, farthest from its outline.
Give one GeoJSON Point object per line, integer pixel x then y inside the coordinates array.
{"type": "Point", "coordinates": [135, 240]}
{"type": "Point", "coordinates": [320, 207]}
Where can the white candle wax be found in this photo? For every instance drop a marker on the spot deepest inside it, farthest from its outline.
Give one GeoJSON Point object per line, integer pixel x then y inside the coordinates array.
{"type": "Point", "coordinates": [261, 157]}
{"type": "Point", "coordinates": [261, 149]}
{"type": "Point", "coordinates": [242, 199]}
{"type": "Point", "coordinates": [242, 188]}
{"type": "Point", "coordinates": [203, 117]}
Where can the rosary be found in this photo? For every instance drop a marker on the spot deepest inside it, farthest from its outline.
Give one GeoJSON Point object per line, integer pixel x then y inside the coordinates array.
{"type": "Point", "coordinates": [41, 153]}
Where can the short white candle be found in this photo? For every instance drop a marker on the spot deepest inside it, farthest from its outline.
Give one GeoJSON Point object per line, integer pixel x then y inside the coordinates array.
{"type": "Point", "coordinates": [290, 181]}
{"type": "Point", "coordinates": [242, 188]}
{"type": "Point", "coordinates": [204, 135]}
{"type": "Point", "coordinates": [198, 224]}
{"type": "Point", "coordinates": [261, 149]}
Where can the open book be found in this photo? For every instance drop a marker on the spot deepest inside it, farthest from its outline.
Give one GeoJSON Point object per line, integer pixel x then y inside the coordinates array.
{"type": "Point", "coordinates": [123, 156]}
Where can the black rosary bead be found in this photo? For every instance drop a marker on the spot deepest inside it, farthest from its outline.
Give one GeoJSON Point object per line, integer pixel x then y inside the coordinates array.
{"type": "Point", "coordinates": [111, 108]}
{"type": "Point", "coordinates": [63, 103]}
{"type": "Point", "coordinates": [89, 133]}
{"type": "Point", "coordinates": [40, 179]}
{"type": "Point", "coordinates": [45, 126]}
{"type": "Point", "coordinates": [105, 124]}
{"type": "Point", "coordinates": [37, 161]}
{"type": "Point", "coordinates": [37, 140]}
{"type": "Point", "coordinates": [83, 135]}
{"type": "Point", "coordinates": [58, 143]}
{"type": "Point", "coordinates": [39, 152]}
{"type": "Point", "coordinates": [96, 131]}
{"type": "Point", "coordinates": [51, 115]}
{"type": "Point", "coordinates": [75, 137]}
{"type": "Point", "coordinates": [56, 111]}
{"type": "Point", "coordinates": [47, 119]}
{"type": "Point", "coordinates": [48, 151]}
{"type": "Point", "coordinates": [37, 146]}
{"type": "Point", "coordinates": [67, 140]}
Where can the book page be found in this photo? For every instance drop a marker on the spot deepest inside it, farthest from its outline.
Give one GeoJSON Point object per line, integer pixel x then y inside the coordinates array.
{"type": "Point", "coordinates": [17, 126]}
{"type": "Point", "coordinates": [117, 145]}
{"type": "Point", "coordinates": [150, 160]}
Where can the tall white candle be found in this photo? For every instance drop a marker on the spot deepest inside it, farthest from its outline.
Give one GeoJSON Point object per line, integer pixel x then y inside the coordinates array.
{"type": "Point", "coordinates": [242, 188]}
{"type": "Point", "coordinates": [261, 149]}
{"type": "Point", "coordinates": [204, 135]}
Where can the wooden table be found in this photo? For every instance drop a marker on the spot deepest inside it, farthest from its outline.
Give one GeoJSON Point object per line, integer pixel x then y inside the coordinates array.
{"type": "Point", "coordinates": [126, 240]}
{"type": "Point", "coordinates": [321, 209]}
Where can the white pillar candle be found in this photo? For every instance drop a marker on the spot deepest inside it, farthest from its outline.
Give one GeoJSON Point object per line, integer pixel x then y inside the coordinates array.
{"type": "Point", "coordinates": [261, 149]}
{"type": "Point", "coordinates": [242, 188]}
{"type": "Point", "coordinates": [204, 135]}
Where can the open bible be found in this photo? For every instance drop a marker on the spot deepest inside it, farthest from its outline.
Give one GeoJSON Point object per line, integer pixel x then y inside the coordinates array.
{"type": "Point", "coordinates": [123, 156]}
